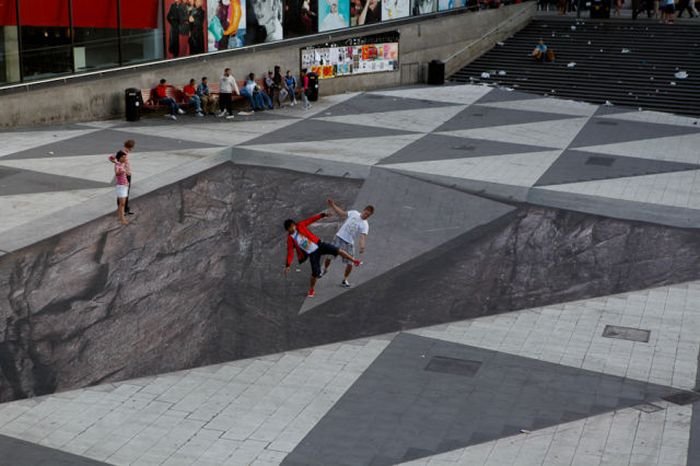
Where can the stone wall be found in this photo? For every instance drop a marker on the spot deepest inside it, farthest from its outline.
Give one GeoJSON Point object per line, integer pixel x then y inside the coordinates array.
{"type": "Point", "coordinates": [102, 96]}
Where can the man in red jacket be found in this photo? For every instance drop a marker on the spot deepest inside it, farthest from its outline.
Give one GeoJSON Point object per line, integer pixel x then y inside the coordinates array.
{"type": "Point", "coordinates": [307, 245]}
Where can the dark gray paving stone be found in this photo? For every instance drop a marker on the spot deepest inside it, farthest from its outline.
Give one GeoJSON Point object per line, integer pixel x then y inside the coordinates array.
{"type": "Point", "coordinates": [501, 95]}
{"type": "Point", "coordinates": [477, 116]}
{"type": "Point", "coordinates": [320, 130]}
{"type": "Point", "coordinates": [191, 120]}
{"type": "Point", "coordinates": [105, 142]}
{"type": "Point", "coordinates": [443, 412]}
{"type": "Point", "coordinates": [443, 147]}
{"type": "Point", "coordinates": [17, 452]}
{"type": "Point", "coordinates": [574, 166]}
{"type": "Point", "coordinates": [374, 103]}
{"type": "Point", "coordinates": [17, 181]}
{"type": "Point", "coordinates": [604, 110]}
{"type": "Point", "coordinates": [610, 131]}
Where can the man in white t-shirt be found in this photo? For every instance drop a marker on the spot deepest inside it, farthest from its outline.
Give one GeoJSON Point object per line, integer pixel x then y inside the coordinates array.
{"type": "Point", "coordinates": [354, 230]}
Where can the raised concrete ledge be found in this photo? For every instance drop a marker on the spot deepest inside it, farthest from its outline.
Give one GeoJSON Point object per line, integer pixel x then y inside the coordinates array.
{"type": "Point", "coordinates": [310, 165]}
{"type": "Point", "coordinates": [103, 204]}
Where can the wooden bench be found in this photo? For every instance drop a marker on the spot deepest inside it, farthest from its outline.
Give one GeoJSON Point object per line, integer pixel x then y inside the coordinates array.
{"type": "Point", "coordinates": [151, 101]}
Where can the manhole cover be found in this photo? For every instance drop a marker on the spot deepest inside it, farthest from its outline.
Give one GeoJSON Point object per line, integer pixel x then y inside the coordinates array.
{"type": "Point", "coordinates": [682, 398]}
{"type": "Point", "coordinates": [606, 122]}
{"type": "Point", "coordinates": [477, 114]}
{"type": "Point", "coordinates": [601, 161]}
{"type": "Point", "coordinates": [648, 408]}
{"type": "Point", "coordinates": [627, 333]}
{"type": "Point", "coordinates": [463, 367]}
{"type": "Point", "coordinates": [464, 148]}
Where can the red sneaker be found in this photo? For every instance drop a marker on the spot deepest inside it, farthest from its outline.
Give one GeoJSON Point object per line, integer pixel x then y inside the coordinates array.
{"type": "Point", "coordinates": [311, 294]}
{"type": "Point", "coordinates": [357, 262]}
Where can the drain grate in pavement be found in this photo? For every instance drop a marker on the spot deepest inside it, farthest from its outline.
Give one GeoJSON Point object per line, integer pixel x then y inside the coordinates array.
{"type": "Point", "coordinates": [627, 333]}
{"type": "Point", "coordinates": [682, 398]}
{"type": "Point", "coordinates": [648, 408]}
{"type": "Point", "coordinates": [463, 367]}
{"type": "Point", "coordinates": [464, 147]}
{"type": "Point", "coordinates": [606, 123]}
{"type": "Point", "coordinates": [600, 161]}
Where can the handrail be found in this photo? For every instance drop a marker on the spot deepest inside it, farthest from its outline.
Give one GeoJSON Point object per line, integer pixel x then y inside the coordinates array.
{"type": "Point", "coordinates": [487, 35]}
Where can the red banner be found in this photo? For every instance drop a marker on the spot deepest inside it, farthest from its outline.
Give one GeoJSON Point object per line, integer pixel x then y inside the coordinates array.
{"type": "Point", "coordinates": [140, 14]}
{"type": "Point", "coordinates": [8, 13]}
{"type": "Point", "coordinates": [136, 14]}
{"type": "Point", "coordinates": [92, 14]}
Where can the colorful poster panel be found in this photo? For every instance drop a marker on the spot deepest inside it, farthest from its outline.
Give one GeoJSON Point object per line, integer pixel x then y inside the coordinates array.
{"type": "Point", "coordinates": [300, 17]}
{"type": "Point", "coordinates": [263, 21]}
{"type": "Point", "coordinates": [424, 7]}
{"type": "Point", "coordinates": [227, 24]}
{"type": "Point", "coordinates": [333, 14]}
{"type": "Point", "coordinates": [393, 9]}
{"type": "Point", "coordinates": [185, 27]}
{"type": "Point", "coordinates": [444, 5]}
{"type": "Point", "coordinates": [365, 12]}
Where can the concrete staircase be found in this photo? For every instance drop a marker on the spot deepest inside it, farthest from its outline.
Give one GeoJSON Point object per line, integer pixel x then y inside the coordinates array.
{"type": "Point", "coordinates": [625, 62]}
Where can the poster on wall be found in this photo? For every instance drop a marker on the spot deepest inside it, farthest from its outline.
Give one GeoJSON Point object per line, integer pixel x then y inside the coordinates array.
{"type": "Point", "coordinates": [371, 54]}
{"type": "Point", "coordinates": [333, 14]}
{"type": "Point", "coordinates": [365, 12]}
{"type": "Point", "coordinates": [444, 5]}
{"type": "Point", "coordinates": [393, 9]}
{"type": "Point", "coordinates": [423, 7]}
{"type": "Point", "coordinates": [300, 17]}
{"type": "Point", "coordinates": [185, 27]}
{"type": "Point", "coordinates": [227, 24]}
{"type": "Point", "coordinates": [263, 21]}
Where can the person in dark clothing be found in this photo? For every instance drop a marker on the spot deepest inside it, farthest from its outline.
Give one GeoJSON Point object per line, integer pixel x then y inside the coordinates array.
{"type": "Point", "coordinates": [173, 18]}
{"type": "Point", "coordinates": [687, 5]}
{"type": "Point", "coordinates": [278, 85]}
{"type": "Point", "coordinates": [196, 20]}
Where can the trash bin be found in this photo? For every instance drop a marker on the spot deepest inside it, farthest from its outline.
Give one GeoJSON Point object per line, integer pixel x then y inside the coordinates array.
{"type": "Point", "coordinates": [436, 73]}
{"type": "Point", "coordinates": [313, 87]}
{"type": "Point", "coordinates": [133, 103]}
{"type": "Point", "coordinates": [600, 9]}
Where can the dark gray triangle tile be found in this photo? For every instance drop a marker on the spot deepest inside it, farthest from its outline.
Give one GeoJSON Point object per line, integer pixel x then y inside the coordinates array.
{"type": "Point", "coordinates": [320, 130]}
{"type": "Point", "coordinates": [609, 131]}
{"type": "Point", "coordinates": [477, 116]}
{"type": "Point", "coordinates": [501, 95]}
{"type": "Point", "coordinates": [449, 411]}
{"type": "Point", "coordinates": [17, 452]}
{"type": "Point", "coordinates": [605, 110]}
{"type": "Point", "coordinates": [106, 141]}
{"type": "Point", "coordinates": [372, 103]}
{"type": "Point", "coordinates": [15, 181]}
{"type": "Point", "coordinates": [443, 147]}
{"type": "Point", "coordinates": [574, 166]}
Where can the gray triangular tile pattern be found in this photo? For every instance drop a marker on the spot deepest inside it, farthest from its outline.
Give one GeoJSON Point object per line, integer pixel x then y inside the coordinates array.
{"type": "Point", "coordinates": [106, 141]}
{"type": "Point", "coordinates": [320, 130]}
{"type": "Point", "coordinates": [608, 131]}
{"type": "Point", "coordinates": [477, 116]}
{"type": "Point", "coordinates": [371, 103]}
{"type": "Point", "coordinates": [443, 147]}
{"type": "Point", "coordinates": [17, 181]}
{"type": "Point", "coordinates": [574, 166]}
{"type": "Point", "coordinates": [423, 397]}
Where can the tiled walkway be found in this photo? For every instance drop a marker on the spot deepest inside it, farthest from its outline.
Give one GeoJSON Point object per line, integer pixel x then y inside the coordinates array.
{"type": "Point", "coordinates": [537, 386]}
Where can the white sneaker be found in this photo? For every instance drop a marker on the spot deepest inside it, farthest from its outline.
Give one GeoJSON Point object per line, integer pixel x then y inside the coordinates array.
{"type": "Point", "coordinates": [172, 117]}
{"type": "Point", "coordinates": [180, 111]}
{"type": "Point", "coordinates": [293, 104]}
{"type": "Point", "coordinates": [345, 284]}
{"type": "Point", "coordinates": [200, 114]}
{"type": "Point", "coordinates": [230, 117]}
{"type": "Point", "coordinates": [221, 114]}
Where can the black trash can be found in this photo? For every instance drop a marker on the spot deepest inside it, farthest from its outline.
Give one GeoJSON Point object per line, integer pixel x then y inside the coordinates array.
{"type": "Point", "coordinates": [133, 103]}
{"type": "Point", "coordinates": [600, 9]}
{"type": "Point", "coordinates": [436, 73]}
{"type": "Point", "coordinates": [313, 87]}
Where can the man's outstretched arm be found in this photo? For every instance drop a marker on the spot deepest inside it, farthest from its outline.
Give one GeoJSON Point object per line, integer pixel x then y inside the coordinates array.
{"type": "Point", "coordinates": [336, 208]}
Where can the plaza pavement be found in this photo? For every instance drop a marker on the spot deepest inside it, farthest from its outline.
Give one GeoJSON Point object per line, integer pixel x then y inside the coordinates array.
{"type": "Point", "coordinates": [539, 386]}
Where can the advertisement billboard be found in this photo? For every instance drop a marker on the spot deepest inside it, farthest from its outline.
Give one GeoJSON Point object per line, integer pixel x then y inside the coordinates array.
{"type": "Point", "coordinates": [185, 27]}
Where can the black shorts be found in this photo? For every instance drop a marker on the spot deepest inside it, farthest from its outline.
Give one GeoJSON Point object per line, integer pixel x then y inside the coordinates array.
{"type": "Point", "coordinates": [315, 257]}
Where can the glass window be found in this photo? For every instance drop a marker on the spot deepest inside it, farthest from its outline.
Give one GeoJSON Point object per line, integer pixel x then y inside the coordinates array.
{"type": "Point", "coordinates": [46, 42]}
{"type": "Point", "coordinates": [142, 30]}
{"type": "Point", "coordinates": [96, 40]}
{"type": "Point", "coordinates": [9, 45]}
